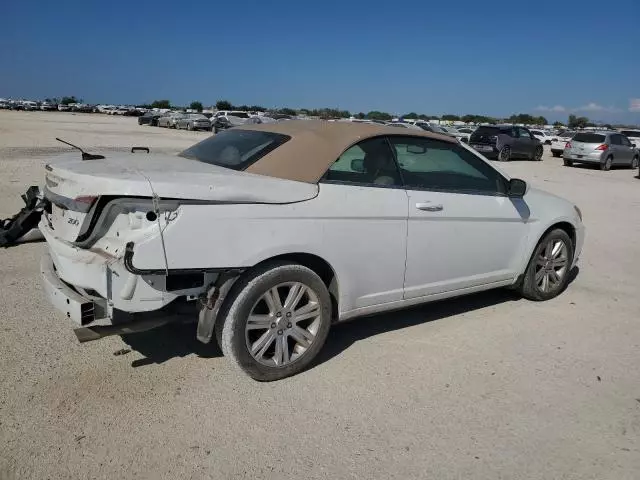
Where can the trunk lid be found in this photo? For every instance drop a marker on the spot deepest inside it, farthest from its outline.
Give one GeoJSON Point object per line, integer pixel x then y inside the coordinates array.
{"type": "Point", "coordinates": [73, 185]}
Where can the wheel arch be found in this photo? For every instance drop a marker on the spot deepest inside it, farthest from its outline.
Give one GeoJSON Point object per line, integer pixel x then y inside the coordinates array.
{"type": "Point", "coordinates": [318, 265]}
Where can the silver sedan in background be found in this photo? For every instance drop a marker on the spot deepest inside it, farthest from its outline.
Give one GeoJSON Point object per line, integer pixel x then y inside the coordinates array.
{"type": "Point", "coordinates": [193, 121]}
{"type": "Point", "coordinates": [170, 120]}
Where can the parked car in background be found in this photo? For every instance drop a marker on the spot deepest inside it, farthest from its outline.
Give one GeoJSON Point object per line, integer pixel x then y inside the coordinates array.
{"type": "Point", "coordinates": [542, 136]}
{"type": "Point", "coordinates": [64, 108]}
{"type": "Point", "coordinates": [605, 149]}
{"type": "Point", "coordinates": [48, 107]}
{"type": "Point", "coordinates": [559, 141]}
{"type": "Point", "coordinates": [259, 233]}
{"type": "Point", "coordinates": [633, 136]}
{"type": "Point", "coordinates": [408, 125]}
{"type": "Point", "coordinates": [453, 132]}
{"type": "Point", "coordinates": [5, 105]}
{"type": "Point", "coordinates": [169, 120]}
{"type": "Point", "coordinates": [29, 105]}
{"type": "Point", "coordinates": [193, 121]}
{"type": "Point", "coordinates": [504, 142]}
{"type": "Point", "coordinates": [221, 123]}
{"type": "Point", "coordinates": [466, 132]}
{"type": "Point", "coordinates": [149, 118]}
{"type": "Point", "coordinates": [231, 113]}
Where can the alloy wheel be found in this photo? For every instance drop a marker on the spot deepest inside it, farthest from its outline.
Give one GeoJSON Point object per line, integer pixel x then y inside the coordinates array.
{"type": "Point", "coordinates": [283, 324]}
{"type": "Point", "coordinates": [505, 154]}
{"type": "Point", "coordinates": [551, 265]}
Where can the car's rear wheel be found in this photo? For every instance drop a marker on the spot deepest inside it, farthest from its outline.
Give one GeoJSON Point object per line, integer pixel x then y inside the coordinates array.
{"type": "Point", "coordinates": [537, 154]}
{"type": "Point", "coordinates": [634, 162]}
{"type": "Point", "coordinates": [275, 320]}
{"type": "Point", "coordinates": [504, 155]}
{"type": "Point", "coordinates": [547, 274]}
{"type": "Point", "coordinates": [189, 127]}
{"type": "Point", "coordinates": [556, 154]}
{"type": "Point", "coordinates": [606, 165]}
{"type": "Point", "coordinates": [568, 163]}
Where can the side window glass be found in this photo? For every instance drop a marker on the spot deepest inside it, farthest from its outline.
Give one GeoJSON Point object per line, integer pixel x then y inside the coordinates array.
{"type": "Point", "coordinates": [434, 165]}
{"type": "Point", "coordinates": [625, 141]}
{"type": "Point", "coordinates": [369, 162]}
{"type": "Point", "coordinates": [524, 133]}
{"type": "Point", "coordinates": [615, 140]}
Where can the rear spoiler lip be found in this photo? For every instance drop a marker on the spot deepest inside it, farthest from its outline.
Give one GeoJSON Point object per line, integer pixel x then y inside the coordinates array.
{"type": "Point", "coordinates": [66, 203]}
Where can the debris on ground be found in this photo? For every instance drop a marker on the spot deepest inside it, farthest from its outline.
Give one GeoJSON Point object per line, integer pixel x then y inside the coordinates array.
{"type": "Point", "coordinates": [23, 226]}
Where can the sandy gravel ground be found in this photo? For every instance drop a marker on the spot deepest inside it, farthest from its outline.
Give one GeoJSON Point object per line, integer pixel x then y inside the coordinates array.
{"type": "Point", "coordinates": [483, 387]}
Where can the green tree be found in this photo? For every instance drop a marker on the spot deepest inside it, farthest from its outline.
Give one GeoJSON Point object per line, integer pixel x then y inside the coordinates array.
{"type": "Point", "coordinates": [197, 106]}
{"type": "Point", "coordinates": [161, 104]}
{"type": "Point", "coordinates": [558, 124]}
{"type": "Point", "coordinates": [360, 115]}
{"type": "Point", "coordinates": [577, 122]}
{"type": "Point", "coordinates": [257, 108]}
{"type": "Point", "coordinates": [450, 118]}
{"type": "Point", "coordinates": [224, 105]}
{"type": "Point", "coordinates": [376, 115]}
{"type": "Point", "coordinates": [287, 111]}
{"type": "Point", "coordinates": [411, 115]}
{"type": "Point", "coordinates": [68, 100]}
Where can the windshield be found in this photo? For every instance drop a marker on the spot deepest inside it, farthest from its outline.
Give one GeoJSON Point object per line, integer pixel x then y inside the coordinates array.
{"type": "Point", "coordinates": [235, 149]}
{"type": "Point", "coordinates": [631, 133]}
{"type": "Point", "coordinates": [239, 114]}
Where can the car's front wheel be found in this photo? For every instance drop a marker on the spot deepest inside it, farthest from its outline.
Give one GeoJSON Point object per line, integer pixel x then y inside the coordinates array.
{"type": "Point", "coordinates": [634, 162]}
{"type": "Point", "coordinates": [275, 320]}
{"type": "Point", "coordinates": [606, 165]}
{"type": "Point", "coordinates": [547, 274]}
{"type": "Point", "coordinates": [556, 154]}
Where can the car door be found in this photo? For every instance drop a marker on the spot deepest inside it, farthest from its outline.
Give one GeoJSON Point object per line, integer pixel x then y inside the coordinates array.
{"type": "Point", "coordinates": [364, 211]}
{"type": "Point", "coordinates": [626, 149]}
{"type": "Point", "coordinates": [525, 141]}
{"type": "Point", "coordinates": [463, 230]}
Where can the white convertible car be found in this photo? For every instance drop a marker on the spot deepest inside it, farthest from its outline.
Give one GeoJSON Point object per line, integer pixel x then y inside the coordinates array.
{"type": "Point", "coordinates": [267, 234]}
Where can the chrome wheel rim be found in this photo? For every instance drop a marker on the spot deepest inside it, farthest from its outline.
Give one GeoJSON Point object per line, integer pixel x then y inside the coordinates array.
{"type": "Point", "coordinates": [283, 324]}
{"type": "Point", "coordinates": [551, 265]}
{"type": "Point", "coordinates": [607, 163]}
{"type": "Point", "coordinates": [504, 154]}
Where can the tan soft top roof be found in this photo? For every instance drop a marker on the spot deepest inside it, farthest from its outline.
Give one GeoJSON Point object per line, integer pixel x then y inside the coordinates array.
{"type": "Point", "coordinates": [316, 144]}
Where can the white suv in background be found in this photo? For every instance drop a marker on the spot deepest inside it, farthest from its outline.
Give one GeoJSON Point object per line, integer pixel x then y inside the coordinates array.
{"type": "Point", "coordinates": [542, 136]}
{"type": "Point", "coordinates": [559, 141]}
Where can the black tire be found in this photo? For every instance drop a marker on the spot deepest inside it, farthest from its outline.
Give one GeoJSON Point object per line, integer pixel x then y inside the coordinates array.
{"type": "Point", "coordinates": [189, 127]}
{"type": "Point", "coordinates": [233, 317]}
{"type": "Point", "coordinates": [215, 129]}
{"type": "Point", "coordinates": [504, 155]}
{"type": "Point", "coordinates": [556, 154]}
{"type": "Point", "coordinates": [634, 162]}
{"type": "Point", "coordinates": [538, 153]}
{"type": "Point", "coordinates": [606, 165]}
{"type": "Point", "coordinates": [528, 288]}
{"type": "Point", "coordinates": [568, 163]}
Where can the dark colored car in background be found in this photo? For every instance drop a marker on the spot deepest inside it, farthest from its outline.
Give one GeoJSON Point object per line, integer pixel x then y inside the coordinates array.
{"type": "Point", "coordinates": [220, 123]}
{"type": "Point", "coordinates": [149, 118]}
{"type": "Point", "coordinates": [504, 142]}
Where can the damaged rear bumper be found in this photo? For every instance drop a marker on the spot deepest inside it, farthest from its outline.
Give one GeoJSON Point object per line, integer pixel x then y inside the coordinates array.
{"type": "Point", "coordinates": [92, 317]}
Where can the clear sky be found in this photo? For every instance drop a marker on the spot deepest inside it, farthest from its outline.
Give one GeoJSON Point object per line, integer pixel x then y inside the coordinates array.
{"type": "Point", "coordinates": [462, 56]}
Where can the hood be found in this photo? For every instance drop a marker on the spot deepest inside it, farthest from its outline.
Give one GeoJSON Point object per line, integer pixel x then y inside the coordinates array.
{"type": "Point", "coordinates": [168, 176]}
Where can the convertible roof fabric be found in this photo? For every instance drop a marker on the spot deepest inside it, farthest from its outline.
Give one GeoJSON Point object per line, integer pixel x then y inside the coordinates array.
{"type": "Point", "coordinates": [316, 144]}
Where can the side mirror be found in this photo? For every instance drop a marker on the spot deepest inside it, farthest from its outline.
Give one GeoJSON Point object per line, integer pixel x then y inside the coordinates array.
{"type": "Point", "coordinates": [517, 188]}
{"type": "Point", "coordinates": [633, 145]}
{"type": "Point", "coordinates": [357, 165]}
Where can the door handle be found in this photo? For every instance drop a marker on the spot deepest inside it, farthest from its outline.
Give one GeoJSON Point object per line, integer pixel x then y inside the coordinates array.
{"type": "Point", "coordinates": [429, 207]}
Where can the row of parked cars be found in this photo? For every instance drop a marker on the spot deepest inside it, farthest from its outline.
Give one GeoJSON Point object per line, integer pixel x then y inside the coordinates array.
{"type": "Point", "coordinates": [604, 148]}
{"type": "Point", "coordinates": [221, 120]}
